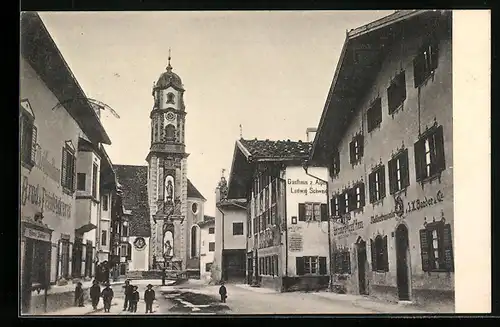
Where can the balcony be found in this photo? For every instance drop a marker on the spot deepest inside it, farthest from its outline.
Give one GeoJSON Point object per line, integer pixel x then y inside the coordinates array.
{"type": "Point", "coordinates": [86, 214]}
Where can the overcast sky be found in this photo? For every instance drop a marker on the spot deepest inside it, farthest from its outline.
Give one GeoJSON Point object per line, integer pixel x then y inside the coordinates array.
{"type": "Point", "coordinates": [268, 71]}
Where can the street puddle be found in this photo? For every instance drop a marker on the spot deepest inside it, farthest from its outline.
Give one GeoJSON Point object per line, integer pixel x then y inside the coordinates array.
{"type": "Point", "coordinates": [196, 303]}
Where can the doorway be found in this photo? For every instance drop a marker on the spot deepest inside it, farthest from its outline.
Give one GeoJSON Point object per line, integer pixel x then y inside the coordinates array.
{"type": "Point", "coordinates": [402, 260]}
{"type": "Point", "coordinates": [27, 276]}
{"type": "Point", "coordinates": [361, 246]}
{"type": "Point", "coordinates": [249, 268]}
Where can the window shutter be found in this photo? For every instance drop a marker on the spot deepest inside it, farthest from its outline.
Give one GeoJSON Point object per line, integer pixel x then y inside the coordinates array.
{"type": "Point", "coordinates": [382, 182]}
{"type": "Point", "coordinates": [405, 171]}
{"type": "Point", "coordinates": [33, 144]}
{"type": "Point", "coordinates": [299, 266]}
{"type": "Point", "coordinates": [324, 212]}
{"type": "Point", "coordinates": [439, 147]}
{"type": "Point", "coordinates": [373, 249]}
{"type": "Point", "coordinates": [448, 247]}
{"type": "Point", "coordinates": [64, 168]}
{"type": "Point", "coordinates": [418, 67]}
{"type": "Point", "coordinates": [391, 167]}
{"type": "Point", "coordinates": [362, 193]}
{"type": "Point", "coordinates": [424, 250]}
{"type": "Point", "coordinates": [385, 265]}
{"type": "Point", "coordinates": [333, 206]}
{"type": "Point", "coordinates": [351, 152]}
{"type": "Point", "coordinates": [352, 198]}
{"type": "Point", "coordinates": [322, 265]}
{"type": "Point", "coordinates": [302, 212]}
{"type": "Point", "coordinates": [371, 186]}
{"type": "Point", "coordinates": [73, 172]}
{"type": "Point", "coordinates": [341, 199]}
{"type": "Point", "coordinates": [361, 142]}
{"type": "Point", "coordinates": [420, 159]}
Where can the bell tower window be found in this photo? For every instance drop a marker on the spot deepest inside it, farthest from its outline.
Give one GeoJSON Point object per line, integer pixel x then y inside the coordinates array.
{"type": "Point", "coordinates": [170, 98]}
{"type": "Point", "coordinates": [170, 133]}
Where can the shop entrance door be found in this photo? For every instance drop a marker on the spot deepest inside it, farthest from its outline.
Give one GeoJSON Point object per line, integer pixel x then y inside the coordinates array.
{"type": "Point", "coordinates": [402, 263]}
{"type": "Point", "coordinates": [362, 267]}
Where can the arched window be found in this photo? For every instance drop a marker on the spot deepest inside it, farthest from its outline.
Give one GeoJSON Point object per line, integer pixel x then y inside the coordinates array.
{"type": "Point", "coordinates": [170, 133]}
{"type": "Point", "coordinates": [170, 98]}
{"type": "Point", "coordinates": [194, 241]}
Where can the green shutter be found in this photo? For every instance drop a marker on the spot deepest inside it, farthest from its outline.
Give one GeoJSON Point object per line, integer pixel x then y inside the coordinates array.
{"type": "Point", "coordinates": [324, 212]}
{"type": "Point", "coordinates": [362, 193]}
{"type": "Point", "coordinates": [64, 168]}
{"type": "Point", "coordinates": [341, 199]}
{"type": "Point", "coordinates": [302, 212]}
{"type": "Point", "coordinates": [351, 152]}
{"type": "Point", "coordinates": [385, 265]}
{"type": "Point", "coordinates": [420, 160]}
{"type": "Point", "coordinates": [448, 248]}
{"type": "Point", "coordinates": [424, 250]}
{"type": "Point", "coordinates": [391, 167]}
{"type": "Point", "coordinates": [332, 206]}
{"type": "Point", "coordinates": [371, 186]}
{"type": "Point", "coordinates": [439, 147]}
{"type": "Point", "coordinates": [382, 182]}
{"type": "Point", "coordinates": [405, 171]}
{"type": "Point", "coordinates": [373, 250]}
{"type": "Point", "coordinates": [299, 266]}
{"type": "Point", "coordinates": [33, 144]}
{"type": "Point", "coordinates": [322, 265]}
{"type": "Point", "coordinates": [73, 172]}
{"type": "Point", "coordinates": [361, 142]}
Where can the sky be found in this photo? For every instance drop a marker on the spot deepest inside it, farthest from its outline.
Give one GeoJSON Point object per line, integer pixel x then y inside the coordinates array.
{"type": "Point", "coordinates": [268, 71]}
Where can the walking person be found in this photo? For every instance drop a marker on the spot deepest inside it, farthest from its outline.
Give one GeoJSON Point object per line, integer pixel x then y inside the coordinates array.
{"type": "Point", "coordinates": [134, 299]}
{"type": "Point", "coordinates": [79, 295]}
{"type": "Point", "coordinates": [223, 292]}
{"type": "Point", "coordinates": [149, 297]}
{"type": "Point", "coordinates": [95, 293]}
{"type": "Point", "coordinates": [128, 291]}
{"type": "Point", "coordinates": [107, 296]}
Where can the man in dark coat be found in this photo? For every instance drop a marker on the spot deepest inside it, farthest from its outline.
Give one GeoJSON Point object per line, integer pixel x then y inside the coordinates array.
{"type": "Point", "coordinates": [105, 272]}
{"type": "Point", "coordinates": [223, 292]}
{"type": "Point", "coordinates": [95, 293]}
{"type": "Point", "coordinates": [128, 291]}
{"type": "Point", "coordinates": [79, 295]}
{"type": "Point", "coordinates": [149, 297]}
{"type": "Point", "coordinates": [134, 299]}
{"type": "Point", "coordinates": [107, 296]}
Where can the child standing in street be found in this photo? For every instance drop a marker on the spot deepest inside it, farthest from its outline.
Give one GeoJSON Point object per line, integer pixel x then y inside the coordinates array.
{"type": "Point", "coordinates": [95, 293]}
{"type": "Point", "coordinates": [134, 299]}
{"type": "Point", "coordinates": [149, 297]}
{"type": "Point", "coordinates": [223, 292]}
{"type": "Point", "coordinates": [79, 295]}
{"type": "Point", "coordinates": [107, 296]}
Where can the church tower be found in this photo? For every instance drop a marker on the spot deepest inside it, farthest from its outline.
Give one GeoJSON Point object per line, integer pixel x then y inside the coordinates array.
{"type": "Point", "coordinates": [167, 172]}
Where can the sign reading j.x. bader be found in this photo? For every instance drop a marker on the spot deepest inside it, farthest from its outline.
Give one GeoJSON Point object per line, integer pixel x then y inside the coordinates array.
{"type": "Point", "coordinates": [40, 197]}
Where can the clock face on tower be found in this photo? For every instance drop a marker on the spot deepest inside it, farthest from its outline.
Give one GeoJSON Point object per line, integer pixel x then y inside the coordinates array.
{"type": "Point", "coordinates": [170, 116]}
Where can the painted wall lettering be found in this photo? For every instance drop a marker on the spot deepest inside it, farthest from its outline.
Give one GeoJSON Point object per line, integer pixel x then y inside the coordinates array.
{"type": "Point", "coordinates": [378, 218]}
{"type": "Point", "coordinates": [44, 199]}
{"type": "Point", "coordinates": [422, 203]}
{"type": "Point", "coordinates": [355, 225]}
{"type": "Point", "coordinates": [47, 165]}
{"type": "Point", "coordinates": [295, 242]}
{"type": "Point", "coordinates": [307, 187]}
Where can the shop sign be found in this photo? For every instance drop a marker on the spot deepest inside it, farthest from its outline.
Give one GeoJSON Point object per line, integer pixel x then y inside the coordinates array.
{"type": "Point", "coordinates": [303, 187]}
{"type": "Point", "coordinates": [37, 234]}
{"type": "Point", "coordinates": [296, 242]}
{"type": "Point", "coordinates": [42, 198]}
{"type": "Point", "coordinates": [418, 204]}
{"type": "Point", "coordinates": [378, 218]}
{"type": "Point", "coordinates": [354, 226]}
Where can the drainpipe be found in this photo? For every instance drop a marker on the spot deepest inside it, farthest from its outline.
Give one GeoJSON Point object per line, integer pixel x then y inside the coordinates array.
{"type": "Point", "coordinates": [222, 275]}
{"type": "Point", "coordinates": [330, 284]}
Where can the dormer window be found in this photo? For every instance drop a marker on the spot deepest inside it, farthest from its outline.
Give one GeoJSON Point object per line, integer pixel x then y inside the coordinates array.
{"type": "Point", "coordinates": [170, 98]}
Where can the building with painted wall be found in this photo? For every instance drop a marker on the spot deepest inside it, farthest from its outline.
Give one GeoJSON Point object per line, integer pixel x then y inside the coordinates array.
{"type": "Point", "coordinates": [386, 136]}
{"type": "Point", "coordinates": [57, 240]}
{"type": "Point", "coordinates": [207, 247]}
{"type": "Point", "coordinates": [287, 240]}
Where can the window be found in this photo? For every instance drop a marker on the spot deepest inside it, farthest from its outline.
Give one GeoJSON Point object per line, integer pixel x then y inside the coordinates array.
{"type": "Point", "coordinates": [335, 205]}
{"type": "Point", "coordinates": [194, 241]}
{"type": "Point", "coordinates": [65, 258]}
{"type": "Point", "coordinates": [124, 249]}
{"type": "Point", "coordinates": [310, 265]}
{"type": "Point", "coordinates": [129, 251]}
{"type": "Point", "coordinates": [211, 230]}
{"type": "Point", "coordinates": [425, 63]}
{"type": "Point", "coordinates": [376, 181]}
{"type": "Point", "coordinates": [237, 228]}
{"type": "Point", "coordinates": [211, 246]}
{"type": "Point", "coordinates": [356, 148]}
{"type": "Point", "coordinates": [68, 168]}
{"type": "Point", "coordinates": [80, 181]}
{"type": "Point", "coordinates": [313, 212]}
{"type": "Point", "coordinates": [436, 247]}
{"type": "Point", "coordinates": [429, 154]}
{"type": "Point", "coordinates": [28, 138]}
{"type": "Point", "coordinates": [105, 202]}
{"type": "Point", "coordinates": [170, 133]}
{"type": "Point", "coordinates": [355, 197]}
{"type": "Point", "coordinates": [194, 208]}
{"type": "Point", "coordinates": [104, 238]}
{"type": "Point", "coordinates": [208, 267]}
{"type": "Point", "coordinates": [170, 98]}
{"type": "Point", "coordinates": [342, 262]}
{"type": "Point", "coordinates": [95, 168]}
{"type": "Point", "coordinates": [380, 258]}
{"type": "Point", "coordinates": [374, 115]}
{"type": "Point", "coordinates": [399, 176]}
{"type": "Point", "coordinates": [396, 92]}
{"type": "Point", "coordinates": [335, 166]}
{"type": "Point", "coordinates": [125, 231]}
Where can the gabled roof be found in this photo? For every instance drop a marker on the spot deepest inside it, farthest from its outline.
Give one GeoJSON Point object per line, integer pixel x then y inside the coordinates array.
{"type": "Point", "coordinates": [192, 191]}
{"type": "Point", "coordinates": [40, 51]}
{"type": "Point", "coordinates": [360, 60]}
{"type": "Point", "coordinates": [133, 183]}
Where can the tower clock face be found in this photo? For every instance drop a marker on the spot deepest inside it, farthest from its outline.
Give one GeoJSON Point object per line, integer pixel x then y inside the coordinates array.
{"type": "Point", "coordinates": [170, 116]}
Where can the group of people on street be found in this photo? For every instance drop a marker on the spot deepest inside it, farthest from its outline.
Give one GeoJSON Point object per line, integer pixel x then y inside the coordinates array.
{"type": "Point", "coordinates": [131, 296]}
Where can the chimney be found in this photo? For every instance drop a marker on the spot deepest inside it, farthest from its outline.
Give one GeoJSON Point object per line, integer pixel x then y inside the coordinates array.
{"type": "Point", "coordinates": [310, 133]}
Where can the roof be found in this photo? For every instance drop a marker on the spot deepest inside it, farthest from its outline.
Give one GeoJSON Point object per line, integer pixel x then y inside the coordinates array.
{"type": "Point", "coordinates": [40, 51]}
{"type": "Point", "coordinates": [192, 191]}
{"type": "Point", "coordinates": [207, 221]}
{"type": "Point", "coordinates": [169, 78]}
{"type": "Point", "coordinates": [248, 152]}
{"type": "Point", "coordinates": [360, 60]}
{"type": "Point", "coordinates": [133, 183]}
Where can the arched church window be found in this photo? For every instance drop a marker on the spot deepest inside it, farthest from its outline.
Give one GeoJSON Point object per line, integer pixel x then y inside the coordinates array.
{"type": "Point", "coordinates": [194, 241]}
{"type": "Point", "coordinates": [170, 98]}
{"type": "Point", "coordinates": [170, 133]}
